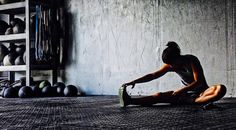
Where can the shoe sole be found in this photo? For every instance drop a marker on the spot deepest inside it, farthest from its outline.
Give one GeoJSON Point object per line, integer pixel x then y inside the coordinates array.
{"type": "Point", "coordinates": [121, 95]}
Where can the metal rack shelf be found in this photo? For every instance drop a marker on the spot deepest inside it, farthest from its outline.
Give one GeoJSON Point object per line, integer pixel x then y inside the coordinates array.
{"type": "Point", "coordinates": [13, 8]}
{"type": "Point", "coordinates": [13, 68]}
{"type": "Point", "coordinates": [23, 8]}
{"type": "Point", "coordinates": [23, 67]}
{"type": "Point", "coordinates": [13, 38]}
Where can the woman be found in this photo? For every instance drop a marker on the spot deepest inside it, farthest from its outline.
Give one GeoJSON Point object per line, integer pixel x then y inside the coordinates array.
{"type": "Point", "coordinates": [188, 67]}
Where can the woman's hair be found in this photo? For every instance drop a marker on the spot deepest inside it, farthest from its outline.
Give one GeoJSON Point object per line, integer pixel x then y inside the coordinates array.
{"type": "Point", "coordinates": [171, 52]}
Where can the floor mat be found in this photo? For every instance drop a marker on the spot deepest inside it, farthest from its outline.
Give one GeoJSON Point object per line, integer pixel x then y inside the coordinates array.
{"type": "Point", "coordinates": [103, 112]}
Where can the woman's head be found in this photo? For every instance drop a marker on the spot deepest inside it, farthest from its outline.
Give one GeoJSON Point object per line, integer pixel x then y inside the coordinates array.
{"type": "Point", "coordinates": [171, 53]}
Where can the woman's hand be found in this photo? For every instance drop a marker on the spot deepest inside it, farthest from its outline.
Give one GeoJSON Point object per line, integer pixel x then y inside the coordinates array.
{"type": "Point", "coordinates": [177, 92]}
{"type": "Point", "coordinates": [129, 84]}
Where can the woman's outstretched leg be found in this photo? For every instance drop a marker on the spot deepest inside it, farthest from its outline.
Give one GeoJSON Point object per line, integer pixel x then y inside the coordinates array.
{"type": "Point", "coordinates": [125, 99]}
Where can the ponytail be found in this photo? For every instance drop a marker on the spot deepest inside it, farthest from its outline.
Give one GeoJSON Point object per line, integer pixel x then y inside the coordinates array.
{"type": "Point", "coordinates": [173, 45]}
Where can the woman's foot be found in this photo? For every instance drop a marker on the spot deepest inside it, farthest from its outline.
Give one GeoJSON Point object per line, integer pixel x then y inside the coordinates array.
{"type": "Point", "coordinates": [209, 106]}
{"type": "Point", "coordinates": [124, 97]}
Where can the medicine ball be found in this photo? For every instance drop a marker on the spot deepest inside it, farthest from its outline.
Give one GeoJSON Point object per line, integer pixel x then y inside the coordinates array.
{"type": "Point", "coordinates": [3, 52]}
{"type": "Point", "coordinates": [36, 91]}
{"type": "Point", "coordinates": [70, 90]}
{"type": "Point", "coordinates": [18, 28]}
{"type": "Point", "coordinates": [3, 27]}
{"type": "Point", "coordinates": [19, 60]}
{"type": "Point", "coordinates": [59, 86]}
{"type": "Point", "coordinates": [44, 83]}
{"type": "Point", "coordinates": [9, 59]}
{"type": "Point", "coordinates": [15, 21]}
{"type": "Point", "coordinates": [9, 31]}
{"type": "Point", "coordinates": [60, 90]}
{"type": "Point", "coordinates": [20, 49]}
{"type": "Point", "coordinates": [25, 92]}
{"type": "Point", "coordinates": [2, 91]}
{"type": "Point", "coordinates": [17, 88]}
{"type": "Point", "coordinates": [18, 25]}
{"type": "Point", "coordinates": [10, 93]}
{"type": "Point", "coordinates": [47, 91]}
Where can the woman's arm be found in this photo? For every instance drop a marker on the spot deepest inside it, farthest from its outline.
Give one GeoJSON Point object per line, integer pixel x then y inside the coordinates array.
{"type": "Point", "coordinates": [163, 70]}
{"type": "Point", "coordinates": [198, 77]}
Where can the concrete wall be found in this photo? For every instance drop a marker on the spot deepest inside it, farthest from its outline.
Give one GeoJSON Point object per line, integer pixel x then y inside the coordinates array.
{"type": "Point", "coordinates": [115, 41]}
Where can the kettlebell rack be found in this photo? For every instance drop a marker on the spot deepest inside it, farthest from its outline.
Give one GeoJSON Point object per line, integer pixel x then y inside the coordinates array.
{"type": "Point", "coordinates": [26, 8]}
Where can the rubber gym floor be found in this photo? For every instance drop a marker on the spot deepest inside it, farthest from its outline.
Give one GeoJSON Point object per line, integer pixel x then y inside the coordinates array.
{"type": "Point", "coordinates": [103, 112]}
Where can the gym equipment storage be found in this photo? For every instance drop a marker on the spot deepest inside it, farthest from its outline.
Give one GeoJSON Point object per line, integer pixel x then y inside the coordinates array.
{"type": "Point", "coordinates": [27, 8]}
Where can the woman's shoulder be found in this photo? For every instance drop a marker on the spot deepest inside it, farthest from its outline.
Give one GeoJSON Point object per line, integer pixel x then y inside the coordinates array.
{"type": "Point", "coordinates": [190, 57]}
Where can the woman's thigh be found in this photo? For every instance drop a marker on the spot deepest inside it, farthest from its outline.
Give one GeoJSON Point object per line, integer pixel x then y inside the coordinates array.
{"type": "Point", "coordinates": [213, 93]}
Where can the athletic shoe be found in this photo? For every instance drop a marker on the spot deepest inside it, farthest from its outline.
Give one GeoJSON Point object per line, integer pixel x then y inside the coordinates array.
{"type": "Point", "coordinates": [124, 97]}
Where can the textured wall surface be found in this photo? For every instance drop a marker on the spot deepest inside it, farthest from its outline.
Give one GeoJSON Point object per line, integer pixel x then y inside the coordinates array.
{"type": "Point", "coordinates": [115, 41]}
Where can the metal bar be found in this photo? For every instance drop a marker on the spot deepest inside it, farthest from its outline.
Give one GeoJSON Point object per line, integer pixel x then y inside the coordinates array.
{"type": "Point", "coordinates": [27, 42]}
{"type": "Point", "coordinates": [13, 38]}
{"type": "Point", "coordinates": [13, 68]}
{"type": "Point", "coordinates": [12, 8]}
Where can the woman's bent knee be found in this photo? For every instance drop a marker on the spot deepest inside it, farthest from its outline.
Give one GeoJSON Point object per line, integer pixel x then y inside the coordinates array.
{"type": "Point", "coordinates": [222, 91]}
{"type": "Point", "coordinates": [212, 94]}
